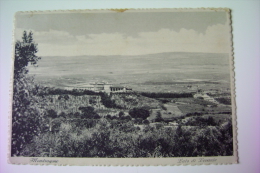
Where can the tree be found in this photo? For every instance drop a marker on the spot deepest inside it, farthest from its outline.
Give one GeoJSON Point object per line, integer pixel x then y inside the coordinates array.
{"type": "Point", "coordinates": [92, 101]}
{"type": "Point", "coordinates": [108, 116]}
{"type": "Point", "coordinates": [25, 53]}
{"type": "Point", "coordinates": [158, 117]}
{"type": "Point", "coordinates": [76, 115]}
{"type": "Point", "coordinates": [65, 97]}
{"type": "Point", "coordinates": [63, 115]}
{"type": "Point", "coordinates": [121, 114]}
{"type": "Point", "coordinates": [88, 112]}
{"type": "Point", "coordinates": [139, 113]}
{"type": "Point", "coordinates": [25, 111]}
{"type": "Point", "coordinates": [51, 114]}
{"type": "Point", "coordinates": [107, 101]}
{"type": "Point", "coordinates": [146, 122]}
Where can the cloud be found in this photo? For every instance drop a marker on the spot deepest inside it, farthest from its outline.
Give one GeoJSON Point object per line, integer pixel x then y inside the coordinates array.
{"type": "Point", "coordinates": [48, 37]}
{"type": "Point", "coordinates": [61, 43]}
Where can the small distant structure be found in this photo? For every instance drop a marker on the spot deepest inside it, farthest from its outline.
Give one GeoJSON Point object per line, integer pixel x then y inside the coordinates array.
{"type": "Point", "coordinates": [185, 120]}
{"type": "Point", "coordinates": [141, 127]}
{"type": "Point", "coordinates": [173, 124]}
{"type": "Point", "coordinates": [201, 94]}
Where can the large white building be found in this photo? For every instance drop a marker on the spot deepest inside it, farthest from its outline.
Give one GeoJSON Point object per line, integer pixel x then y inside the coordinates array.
{"type": "Point", "coordinates": [106, 87]}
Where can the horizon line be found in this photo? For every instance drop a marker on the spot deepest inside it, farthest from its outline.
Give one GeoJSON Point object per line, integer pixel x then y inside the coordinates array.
{"type": "Point", "coordinates": [138, 55]}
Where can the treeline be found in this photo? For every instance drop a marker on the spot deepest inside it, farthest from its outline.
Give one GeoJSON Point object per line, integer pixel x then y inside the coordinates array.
{"type": "Point", "coordinates": [59, 91]}
{"type": "Point", "coordinates": [166, 95]}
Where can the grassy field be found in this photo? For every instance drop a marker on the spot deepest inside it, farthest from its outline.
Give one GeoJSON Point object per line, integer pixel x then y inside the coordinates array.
{"type": "Point", "coordinates": [189, 108]}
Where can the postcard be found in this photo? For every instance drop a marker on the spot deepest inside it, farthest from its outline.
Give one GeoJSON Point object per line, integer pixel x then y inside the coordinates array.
{"type": "Point", "coordinates": [127, 87]}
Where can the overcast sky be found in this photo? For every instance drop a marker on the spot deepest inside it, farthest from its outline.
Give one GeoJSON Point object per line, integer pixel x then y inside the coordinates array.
{"type": "Point", "coordinates": [113, 33]}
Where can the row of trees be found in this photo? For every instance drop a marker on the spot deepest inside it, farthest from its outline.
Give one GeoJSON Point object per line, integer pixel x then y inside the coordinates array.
{"type": "Point", "coordinates": [166, 95]}
{"type": "Point", "coordinates": [59, 91]}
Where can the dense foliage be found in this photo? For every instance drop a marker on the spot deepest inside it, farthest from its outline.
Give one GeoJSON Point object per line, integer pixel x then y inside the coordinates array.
{"type": "Point", "coordinates": [120, 138]}
{"type": "Point", "coordinates": [107, 101]}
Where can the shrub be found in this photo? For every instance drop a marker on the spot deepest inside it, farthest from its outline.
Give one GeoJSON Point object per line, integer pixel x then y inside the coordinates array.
{"type": "Point", "coordinates": [88, 112]}
{"type": "Point", "coordinates": [224, 100]}
{"type": "Point", "coordinates": [139, 113]}
{"type": "Point", "coordinates": [158, 117]}
{"type": "Point", "coordinates": [146, 122]}
{"type": "Point", "coordinates": [121, 114]}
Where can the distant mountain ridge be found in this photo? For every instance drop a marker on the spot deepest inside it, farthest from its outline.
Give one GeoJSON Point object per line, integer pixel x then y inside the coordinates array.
{"type": "Point", "coordinates": [146, 55]}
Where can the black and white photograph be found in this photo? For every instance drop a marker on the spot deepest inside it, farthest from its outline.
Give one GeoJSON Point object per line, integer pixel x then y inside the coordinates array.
{"type": "Point", "coordinates": [154, 86]}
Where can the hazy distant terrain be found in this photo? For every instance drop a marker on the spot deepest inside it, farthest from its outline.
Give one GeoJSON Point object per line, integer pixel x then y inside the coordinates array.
{"type": "Point", "coordinates": [151, 72]}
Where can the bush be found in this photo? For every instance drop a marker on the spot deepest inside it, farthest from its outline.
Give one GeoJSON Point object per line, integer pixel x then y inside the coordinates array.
{"type": "Point", "coordinates": [146, 122]}
{"type": "Point", "coordinates": [138, 121]}
{"type": "Point", "coordinates": [126, 118]}
{"type": "Point", "coordinates": [88, 112]}
{"type": "Point", "coordinates": [158, 117]}
{"type": "Point", "coordinates": [139, 113]}
{"type": "Point", "coordinates": [121, 114]}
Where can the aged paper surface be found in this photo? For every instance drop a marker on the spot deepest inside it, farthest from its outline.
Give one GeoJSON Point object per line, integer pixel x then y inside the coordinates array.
{"type": "Point", "coordinates": [123, 87]}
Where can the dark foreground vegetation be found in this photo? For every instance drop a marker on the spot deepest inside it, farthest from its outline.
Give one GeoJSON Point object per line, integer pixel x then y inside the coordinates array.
{"type": "Point", "coordinates": [107, 137]}
{"type": "Point", "coordinates": [45, 125]}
